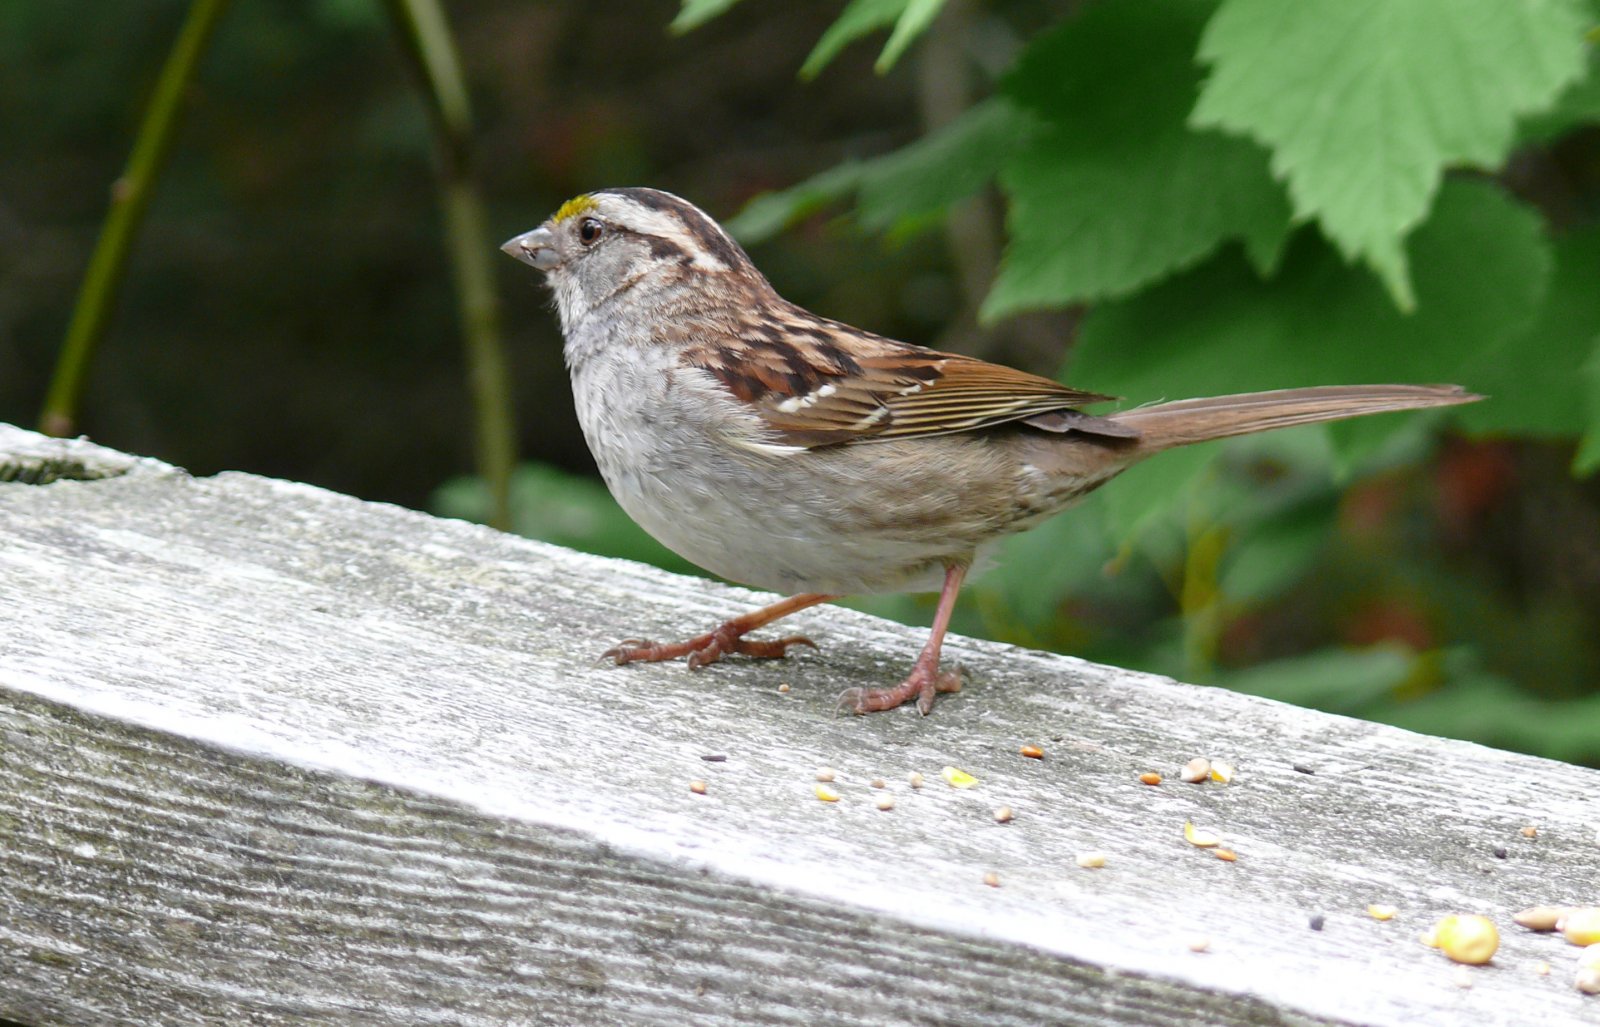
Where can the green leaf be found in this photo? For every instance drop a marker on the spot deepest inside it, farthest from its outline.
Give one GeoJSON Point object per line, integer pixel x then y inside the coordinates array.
{"type": "Point", "coordinates": [1481, 267]}
{"type": "Point", "coordinates": [1365, 102]}
{"type": "Point", "coordinates": [1577, 107]}
{"type": "Point", "coordinates": [1116, 191]}
{"type": "Point", "coordinates": [910, 184]}
{"type": "Point", "coordinates": [861, 18]}
{"type": "Point", "coordinates": [913, 22]}
{"type": "Point", "coordinates": [770, 213]}
{"type": "Point", "coordinates": [948, 165]}
{"type": "Point", "coordinates": [695, 13]}
{"type": "Point", "coordinates": [1532, 378]}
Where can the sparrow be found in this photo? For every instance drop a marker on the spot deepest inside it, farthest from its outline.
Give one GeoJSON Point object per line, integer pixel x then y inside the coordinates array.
{"type": "Point", "coordinates": [800, 455]}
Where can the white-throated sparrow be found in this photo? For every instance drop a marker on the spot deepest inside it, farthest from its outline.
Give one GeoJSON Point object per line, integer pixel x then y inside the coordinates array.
{"type": "Point", "coordinates": [789, 452]}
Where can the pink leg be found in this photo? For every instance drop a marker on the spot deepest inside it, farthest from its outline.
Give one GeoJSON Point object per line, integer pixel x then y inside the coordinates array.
{"type": "Point", "coordinates": [726, 638]}
{"type": "Point", "coordinates": [925, 679]}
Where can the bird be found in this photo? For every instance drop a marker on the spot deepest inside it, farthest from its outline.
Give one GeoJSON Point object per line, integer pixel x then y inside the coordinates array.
{"type": "Point", "coordinates": [800, 455]}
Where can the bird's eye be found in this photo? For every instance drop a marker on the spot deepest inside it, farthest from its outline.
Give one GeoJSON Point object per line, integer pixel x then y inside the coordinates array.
{"type": "Point", "coordinates": [589, 231]}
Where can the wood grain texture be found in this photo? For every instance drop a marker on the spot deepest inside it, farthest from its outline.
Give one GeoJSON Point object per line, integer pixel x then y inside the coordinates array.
{"type": "Point", "coordinates": [273, 755]}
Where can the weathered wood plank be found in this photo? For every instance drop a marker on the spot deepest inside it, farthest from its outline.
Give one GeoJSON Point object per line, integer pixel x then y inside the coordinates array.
{"type": "Point", "coordinates": [274, 754]}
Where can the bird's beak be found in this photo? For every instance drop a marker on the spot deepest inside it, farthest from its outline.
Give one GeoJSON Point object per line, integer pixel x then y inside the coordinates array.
{"type": "Point", "coordinates": [535, 249]}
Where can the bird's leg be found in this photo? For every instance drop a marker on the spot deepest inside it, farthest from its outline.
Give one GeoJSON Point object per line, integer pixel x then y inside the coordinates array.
{"type": "Point", "coordinates": [925, 679]}
{"type": "Point", "coordinates": [725, 638]}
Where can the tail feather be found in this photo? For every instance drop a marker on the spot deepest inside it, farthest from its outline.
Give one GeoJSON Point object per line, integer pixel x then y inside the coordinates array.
{"type": "Point", "coordinates": [1179, 423]}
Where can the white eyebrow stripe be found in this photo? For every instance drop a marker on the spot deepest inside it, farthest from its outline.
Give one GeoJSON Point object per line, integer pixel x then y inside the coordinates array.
{"type": "Point", "coordinates": [649, 221]}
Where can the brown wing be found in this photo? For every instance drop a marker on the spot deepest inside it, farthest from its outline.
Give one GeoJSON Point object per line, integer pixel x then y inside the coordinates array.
{"type": "Point", "coordinates": [819, 382]}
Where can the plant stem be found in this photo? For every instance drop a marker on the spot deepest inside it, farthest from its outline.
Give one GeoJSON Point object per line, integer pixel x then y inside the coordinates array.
{"type": "Point", "coordinates": [425, 37]}
{"type": "Point", "coordinates": [130, 197]}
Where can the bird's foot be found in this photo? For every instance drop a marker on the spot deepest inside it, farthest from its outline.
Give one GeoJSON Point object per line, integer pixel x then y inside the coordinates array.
{"type": "Point", "coordinates": [705, 649]}
{"type": "Point", "coordinates": [923, 683]}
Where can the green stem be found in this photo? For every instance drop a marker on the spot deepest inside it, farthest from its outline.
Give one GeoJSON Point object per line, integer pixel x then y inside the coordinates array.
{"type": "Point", "coordinates": [425, 37]}
{"type": "Point", "coordinates": [130, 197]}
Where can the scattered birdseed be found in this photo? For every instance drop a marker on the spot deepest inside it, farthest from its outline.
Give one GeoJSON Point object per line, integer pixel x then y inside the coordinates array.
{"type": "Point", "coordinates": [784, 687]}
{"type": "Point", "coordinates": [1222, 773]}
{"type": "Point", "coordinates": [1380, 912]}
{"type": "Point", "coordinates": [1150, 777]}
{"type": "Point", "coordinates": [697, 786]}
{"type": "Point", "coordinates": [825, 774]}
{"type": "Point", "coordinates": [1199, 837]}
{"type": "Point", "coordinates": [1542, 968]}
{"type": "Point", "coordinates": [1581, 926]}
{"type": "Point", "coordinates": [1588, 981]}
{"type": "Point", "coordinates": [1540, 918]}
{"type": "Point", "coordinates": [1318, 922]}
{"type": "Point", "coordinates": [1033, 752]}
{"type": "Point", "coordinates": [915, 780]}
{"type": "Point", "coordinates": [1196, 770]}
{"type": "Point", "coordinates": [1091, 860]}
{"type": "Point", "coordinates": [1199, 944]}
{"type": "Point", "coordinates": [1462, 978]}
{"type": "Point", "coordinates": [825, 793]}
{"type": "Point", "coordinates": [991, 878]}
{"type": "Point", "coordinates": [957, 778]}
{"type": "Point", "coordinates": [1467, 939]}
{"type": "Point", "coordinates": [1226, 855]}
{"type": "Point", "coordinates": [1003, 815]}
{"type": "Point", "coordinates": [885, 802]}
{"type": "Point", "coordinates": [1500, 852]}
{"type": "Point", "coordinates": [715, 758]}
{"type": "Point", "coordinates": [878, 782]}
{"type": "Point", "coordinates": [1530, 832]}
{"type": "Point", "coordinates": [1302, 769]}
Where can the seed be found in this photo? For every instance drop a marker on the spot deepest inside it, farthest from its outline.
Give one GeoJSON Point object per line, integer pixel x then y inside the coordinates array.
{"type": "Point", "coordinates": [1589, 957]}
{"type": "Point", "coordinates": [1463, 977]}
{"type": "Point", "coordinates": [1033, 752]}
{"type": "Point", "coordinates": [1540, 918]}
{"type": "Point", "coordinates": [1091, 860]}
{"type": "Point", "coordinates": [697, 786]}
{"type": "Point", "coordinates": [1222, 773]}
{"type": "Point", "coordinates": [1378, 912]}
{"type": "Point", "coordinates": [1430, 937]}
{"type": "Point", "coordinates": [1226, 855]}
{"type": "Point", "coordinates": [784, 687]}
{"type": "Point", "coordinates": [1468, 939]}
{"type": "Point", "coordinates": [1542, 968]}
{"type": "Point", "coordinates": [1003, 815]}
{"type": "Point", "coordinates": [825, 793]}
{"type": "Point", "coordinates": [1530, 832]}
{"type": "Point", "coordinates": [825, 773]}
{"type": "Point", "coordinates": [1588, 981]}
{"type": "Point", "coordinates": [1582, 926]}
{"type": "Point", "coordinates": [957, 778]}
{"type": "Point", "coordinates": [1196, 836]}
{"type": "Point", "coordinates": [915, 780]}
{"type": "Point", "coordinates": [1199, 943]}
{"type": "Point", "coordinates": [1150, 777]}
{"type": "Point", "coordinates": [878, 782]}
{"type": "Point", "coordinates": [886, 802]}
{"type": "Point", "coordinates": [1318, 922]}
{"type": "Point", "coordinates": [1196, 770]}
{"type": "Point", "coordinates": [992, 879]}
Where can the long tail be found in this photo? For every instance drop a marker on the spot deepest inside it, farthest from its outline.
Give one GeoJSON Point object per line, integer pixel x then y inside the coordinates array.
{"type": "Point", "coordinates": [1179, 423]}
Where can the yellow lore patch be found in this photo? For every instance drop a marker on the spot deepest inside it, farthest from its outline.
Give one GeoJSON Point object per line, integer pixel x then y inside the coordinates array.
{"type": "Point", "coordinates": [573, 207]}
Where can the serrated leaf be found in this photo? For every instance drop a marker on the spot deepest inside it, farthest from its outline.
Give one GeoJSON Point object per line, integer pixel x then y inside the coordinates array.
{"type": "Point", "coordinates": [861, 18]}
{"type": "Point", "coordinates": [1365, 102]}
{"type": "Point", "coordinates": [1578, 106]}
{"type": "Point", "coordinates": [913, 22]}
{"type": "Point", "coordinates": [1481, 265]}
{"type": "Point", "coordinates": [695, 13]}
{"type": "Point", "coordinates": [1531, 379]}
{"type": "Point", "coordinates": [1114, 190]}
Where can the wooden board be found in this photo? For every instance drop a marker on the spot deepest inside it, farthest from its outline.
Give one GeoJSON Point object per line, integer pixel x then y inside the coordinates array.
{"type": "Point", "coordinates": [274, 755]}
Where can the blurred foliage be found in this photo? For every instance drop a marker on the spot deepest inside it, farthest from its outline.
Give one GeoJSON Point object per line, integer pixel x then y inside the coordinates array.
{"type": "Point", "coordinates": [1160, 199]}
